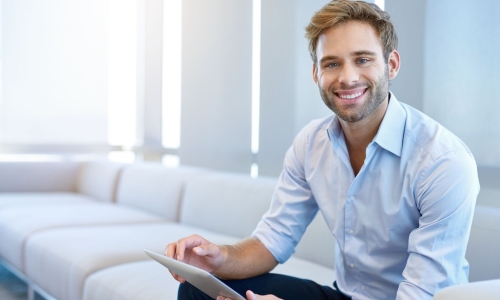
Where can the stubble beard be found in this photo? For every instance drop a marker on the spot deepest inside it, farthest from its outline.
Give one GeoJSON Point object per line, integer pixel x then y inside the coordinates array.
{"type": "Point", "coordinates": [375, 96]}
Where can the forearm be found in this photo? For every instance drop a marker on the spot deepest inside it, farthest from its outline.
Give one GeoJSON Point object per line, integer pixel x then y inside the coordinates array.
{"type": "Point", "coordinates": [245, 259]}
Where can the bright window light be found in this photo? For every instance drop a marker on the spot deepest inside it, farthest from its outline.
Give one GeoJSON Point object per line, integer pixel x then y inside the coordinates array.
{"type": "Point", "coordinates": [31, 157]}
{"type": "Point", "coordinates": [254, 170]}
{"type": "Point", "coordinates": [171, 86]}
{"type": "Point", "coordinates": [256, 75]}
{"type": "Point", "coordinates": [122, 156]}
{"type": "Point", "coordinates": [380, 3]}
{"type": "Point", "coordinates": [170, 160]}
{"type": "Point", "coordinates": [122, 72]}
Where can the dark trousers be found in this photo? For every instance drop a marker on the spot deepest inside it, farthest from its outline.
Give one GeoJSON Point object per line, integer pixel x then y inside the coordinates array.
{"type": "Point", "coordinates": [282, 286]}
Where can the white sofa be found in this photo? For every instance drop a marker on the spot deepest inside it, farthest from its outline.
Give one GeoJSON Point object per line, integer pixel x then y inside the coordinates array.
{"type": "Point", "coordinates": [76, 230]}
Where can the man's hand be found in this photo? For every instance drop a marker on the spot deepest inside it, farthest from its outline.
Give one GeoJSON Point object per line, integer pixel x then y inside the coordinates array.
{"type": "Point", "coordinates": [196, 251]}
{"type": "Point", "coordinates": [252, 296]}
{"type": "Point", "coordinates": [245, 259]}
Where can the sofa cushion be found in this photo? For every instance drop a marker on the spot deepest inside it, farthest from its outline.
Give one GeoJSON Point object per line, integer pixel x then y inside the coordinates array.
{"type": "Point", "coordinates": [98, 179]}
{"type": "Point", "coordinates": [150, 280]}
{"type": "Point", "coordinates": [146, 280]}
{"type": "Point", "coordinates": [228, 203]}
{"type": "Point", "coordinates": [17, 224]}
{"type": "Point", "coordinates": [154, 188]}
{"type": "Point", "coordinates": [60, 260]}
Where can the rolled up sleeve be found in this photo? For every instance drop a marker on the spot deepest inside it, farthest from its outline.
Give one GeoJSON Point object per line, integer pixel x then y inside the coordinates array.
{"type": "Point", "coordinates": [292, 208]}
{"type": "Point", "coordinates": [446, 198]}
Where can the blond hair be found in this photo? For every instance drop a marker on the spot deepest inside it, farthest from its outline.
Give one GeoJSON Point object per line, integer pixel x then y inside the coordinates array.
{"type": "Point", "coordinates": [341, 11]}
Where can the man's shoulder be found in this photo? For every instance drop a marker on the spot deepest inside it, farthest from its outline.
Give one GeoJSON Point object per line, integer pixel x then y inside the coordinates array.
{"type": "Point", "coordinates": [426, 133]}
{"type": "Point", "coordinates": [316, 125]}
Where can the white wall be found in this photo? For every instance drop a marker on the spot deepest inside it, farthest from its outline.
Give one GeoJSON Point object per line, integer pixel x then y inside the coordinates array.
{"type": "Point", "coordinates": [408, 17]}
{"type": "Point", "coordinates": [278, 72]}
{"type": "Point", "coordinates": [216, 84]}
{"type": "Point", "coordinates": [309, 105]}
{"type": "Point", "coordinates": [461, 73]}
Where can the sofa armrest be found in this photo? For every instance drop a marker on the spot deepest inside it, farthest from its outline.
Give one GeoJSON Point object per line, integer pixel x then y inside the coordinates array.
{"type": "Point", "coordinates": [484, 290]}
{"type": "Point", "coordinates": [39, 176]}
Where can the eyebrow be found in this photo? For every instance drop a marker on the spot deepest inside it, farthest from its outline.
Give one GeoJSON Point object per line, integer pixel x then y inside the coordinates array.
{"type": "Point", "coordinates": [363, 52]}
{"type": "Point", "coordinates": [355, 53]}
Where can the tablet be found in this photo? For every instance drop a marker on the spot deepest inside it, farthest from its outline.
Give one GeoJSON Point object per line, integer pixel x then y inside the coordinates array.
{"type": "Point", "coordinates": [201, 279]}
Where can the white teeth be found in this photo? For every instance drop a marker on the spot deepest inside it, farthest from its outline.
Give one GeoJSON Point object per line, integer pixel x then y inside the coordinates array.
{"type": "Point", "coordinates": [351, 96]}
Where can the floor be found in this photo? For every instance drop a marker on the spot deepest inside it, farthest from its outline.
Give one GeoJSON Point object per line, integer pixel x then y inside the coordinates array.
{"type": "Point", "coordinates": [13, 288]}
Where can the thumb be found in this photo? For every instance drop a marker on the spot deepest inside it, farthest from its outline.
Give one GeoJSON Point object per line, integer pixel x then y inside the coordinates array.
{"type": "Point", "coordinates": [251, 295]}
{"type": "Point", "coordinates": [206, 250]}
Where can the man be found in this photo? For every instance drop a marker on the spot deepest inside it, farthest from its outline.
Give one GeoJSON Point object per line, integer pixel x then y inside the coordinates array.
{"type": "Point", "coordinates": [396, 189]}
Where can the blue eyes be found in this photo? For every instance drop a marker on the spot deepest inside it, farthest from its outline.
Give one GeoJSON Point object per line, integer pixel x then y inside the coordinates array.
{"type": "Point", "coordinates": [360, 61]}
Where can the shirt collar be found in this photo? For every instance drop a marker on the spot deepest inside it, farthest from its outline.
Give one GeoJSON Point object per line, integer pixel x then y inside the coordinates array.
{"type": "Point", "coordinates": [334, 132]}
{"type": "Point", "coordinates": [392, 129]}
{"type": "Point", "coordinates": [390, 133]}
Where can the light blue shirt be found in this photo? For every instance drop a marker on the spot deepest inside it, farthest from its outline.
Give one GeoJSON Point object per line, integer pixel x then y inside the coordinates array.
{"type": "Point", "coordinates": [401, 225]}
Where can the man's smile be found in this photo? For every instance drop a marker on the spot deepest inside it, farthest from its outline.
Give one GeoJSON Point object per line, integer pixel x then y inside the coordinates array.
{"type": "Point", "coordinates": [351, 94]}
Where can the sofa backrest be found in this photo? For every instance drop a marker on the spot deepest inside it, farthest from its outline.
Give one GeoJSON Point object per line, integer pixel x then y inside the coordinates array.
{"type": "Point", "coordinates": [39, 176]}
{"type": "Point", "coordinates": [98, 179]}
{"type": "Point", "coordinates": [154, 188]}
{"type": "Point", "coordinates": [228, 203]}
{"type": "Point", "coordinates": [317, 243]}
{"type": "Point", "coordinates": [233, 204]}
{"type": "Point", "coordinates": [484, 246]}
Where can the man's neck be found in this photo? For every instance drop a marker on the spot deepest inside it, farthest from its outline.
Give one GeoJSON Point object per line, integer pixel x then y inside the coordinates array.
{"type": "Point", "coordinates": [360, 134]}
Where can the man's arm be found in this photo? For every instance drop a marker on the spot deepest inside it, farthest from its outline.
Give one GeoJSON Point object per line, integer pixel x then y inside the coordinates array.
{"type": "Point", "coordinates": [446, 196]}
{"type": "Point", "coordinates": [245, 259]}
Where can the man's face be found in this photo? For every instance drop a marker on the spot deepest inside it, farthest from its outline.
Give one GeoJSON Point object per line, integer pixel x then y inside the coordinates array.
{"type": "Point", "coordinates": [351, 72]}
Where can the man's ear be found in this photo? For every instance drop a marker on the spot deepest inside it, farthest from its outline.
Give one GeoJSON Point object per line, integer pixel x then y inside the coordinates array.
{"type": "Point", "coordinates": [393, 63]}
{"type": "Point", "coordinates": [315, 73]}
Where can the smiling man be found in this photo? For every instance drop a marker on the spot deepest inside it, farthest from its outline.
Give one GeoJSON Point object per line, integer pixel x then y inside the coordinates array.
{"type": "Point", "coordinates": [396, 189]}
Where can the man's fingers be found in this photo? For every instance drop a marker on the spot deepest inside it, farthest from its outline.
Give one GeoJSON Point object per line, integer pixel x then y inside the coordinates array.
{"type": "Point", "coordinates": [177, 277]}
{"type": "Point", "coordinates": [206, 250]}
{"type": "Point", "coordinates": [188, 243]}
{"type": "Point", "coordinates": [195, 244]}
{"type": "Point", "coordinates": [252, 296]}
{"type": "Point", "coordinates": [170, 250]}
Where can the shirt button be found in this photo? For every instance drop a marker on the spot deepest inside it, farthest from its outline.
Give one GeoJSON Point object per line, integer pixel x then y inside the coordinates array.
{"type": "Point", "coordinates": [363, 288]}
{"type": "Point", "coordinates": [351, 198]}
{"type": "Point", "coordinates": [351, 231]}
{"type": "Point", "coordinates": [352, 266]}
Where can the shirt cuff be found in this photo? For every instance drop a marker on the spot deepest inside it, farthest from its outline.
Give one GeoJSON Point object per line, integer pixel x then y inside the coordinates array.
{"type": "Point", "coordinates": [279, 247]}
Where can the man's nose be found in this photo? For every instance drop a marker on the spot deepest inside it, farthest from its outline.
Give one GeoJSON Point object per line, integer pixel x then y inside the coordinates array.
{"type": "Point", "coordinates": [348, 74]}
